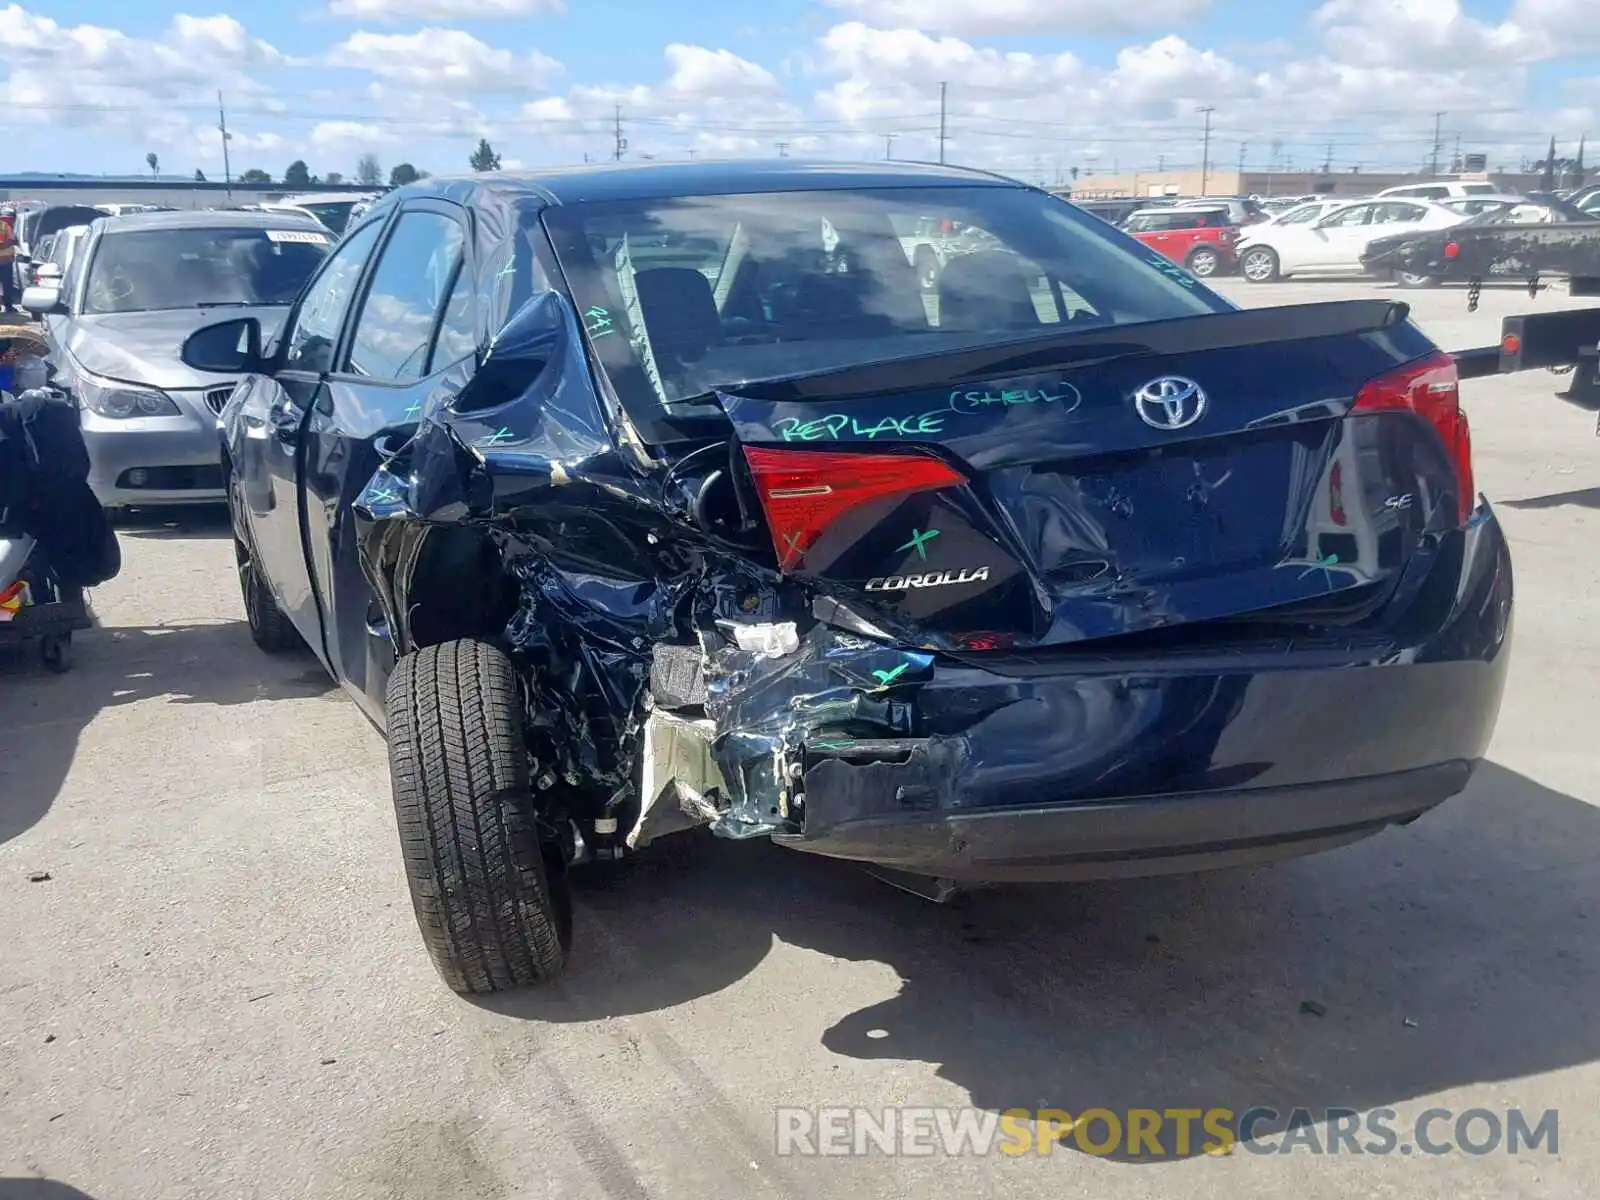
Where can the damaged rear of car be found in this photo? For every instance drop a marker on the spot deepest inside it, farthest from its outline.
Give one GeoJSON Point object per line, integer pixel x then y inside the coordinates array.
{"type": "Point", "coordinates": [1064, 569]}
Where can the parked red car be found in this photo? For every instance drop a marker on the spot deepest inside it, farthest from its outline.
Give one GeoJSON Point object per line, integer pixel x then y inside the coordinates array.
{"type": "Point", "coordinates": [1201, 239]}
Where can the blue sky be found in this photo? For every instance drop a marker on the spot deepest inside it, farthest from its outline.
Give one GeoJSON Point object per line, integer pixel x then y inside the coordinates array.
{"type": "Point", "coordinates": [1036, 87]}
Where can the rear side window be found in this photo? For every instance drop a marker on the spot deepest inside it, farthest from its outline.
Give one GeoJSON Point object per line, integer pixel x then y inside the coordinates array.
{"type": "Point", "coordinates": [409, 287]}
{"type": "Point", "coordinates": [1479, 189]}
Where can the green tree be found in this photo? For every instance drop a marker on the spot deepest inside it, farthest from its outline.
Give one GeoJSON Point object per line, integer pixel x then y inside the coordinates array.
{"type": "Point", "coordinates": [402, 174]}
{"type": "Point", "coordinates": [199, 175]}
{"type": "Point", "coordinates": [484, 158]}
{"type": "Point", "coordinates": [255, 175]}
{"type": "Point", "coordinates": [298, 174]}
{"type": "Point", "coordinates": [334, 177]}
{"type": "Point", "coordinates": [368, 171]}
{"type": "Point", "coordinates": [153, 162]}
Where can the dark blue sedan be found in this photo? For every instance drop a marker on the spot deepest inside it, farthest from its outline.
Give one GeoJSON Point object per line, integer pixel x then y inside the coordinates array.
{"type": "Point", "coordinates": [634, 499]}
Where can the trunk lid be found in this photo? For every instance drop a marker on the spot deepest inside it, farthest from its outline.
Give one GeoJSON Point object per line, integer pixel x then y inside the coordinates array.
{"type": "Point", "coordinates": [1104, 483]}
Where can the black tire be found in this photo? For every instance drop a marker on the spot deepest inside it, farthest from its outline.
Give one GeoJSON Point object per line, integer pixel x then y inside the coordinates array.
{"type": "Point", "coordinates": [270, 627]}
{"type": "Point", "coordinates": [492, 903]}
{"type": "Point", "coordinates": [1203, 262]}
{"type": "Point", "coordinates": [1259, 264]}
{"type": "Point", "coordinates": [927, 265]}
{"type": "Point", "coordinates": [1411, 279]}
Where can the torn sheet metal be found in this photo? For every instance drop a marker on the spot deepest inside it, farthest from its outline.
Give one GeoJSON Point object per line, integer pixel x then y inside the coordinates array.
{"type": "Point", "coordinates": [612, 583]}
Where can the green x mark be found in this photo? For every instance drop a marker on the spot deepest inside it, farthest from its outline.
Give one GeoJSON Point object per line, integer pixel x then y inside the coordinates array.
{"type": "Point", "coordinates": [887, 677]}
{"type": "Point", "coordinates": [494, 439]}
{"type": "Point", "coordinates": [919, 542]}
{"type": "Point", "coordinates": [1322, 564]}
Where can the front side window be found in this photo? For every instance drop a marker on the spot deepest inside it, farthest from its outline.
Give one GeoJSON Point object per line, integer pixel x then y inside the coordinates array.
{"type": "Point", "coordinates": [408, 291]}
{"type": "Point", "coordinates": [146, 270]}
{"type": "Point", "coordinates": [1361, 214]}
{"type": "Point", "coordinates": [310, 340]}
{"type": "Point", "coordinates": [682, 296]}
{"type": "Point", "coordinates": [1303, 215]}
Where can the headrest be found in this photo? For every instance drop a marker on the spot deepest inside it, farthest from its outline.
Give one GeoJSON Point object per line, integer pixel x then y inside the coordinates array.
{"type": "Point", "coordinates": [986, 291]}
{"type": "Point", "coordinates": [680, 311]}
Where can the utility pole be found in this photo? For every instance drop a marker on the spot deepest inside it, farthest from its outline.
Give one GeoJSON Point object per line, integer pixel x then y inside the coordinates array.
{"type": "Point", "coordinates": [1455, 164]}
{"type": "Point", "coordinates": [1433, 165]}
{"type": "Point", "coordinates": [1205, 153]}
{"type": "Point", "coordinates": [888, 146]}
{"type": "Point", "coordinates": [783, 149]}
{"type": "Point", "coordinates": [1327, 163]}
{"type": "Point", "coordinates": [222, 127]}
{"type": "Point", "coordinates": [621, 142]}
{"type": "Point", "coordinates": [941, 123]}
{"type": "Point", "coordinates": [692, 153]}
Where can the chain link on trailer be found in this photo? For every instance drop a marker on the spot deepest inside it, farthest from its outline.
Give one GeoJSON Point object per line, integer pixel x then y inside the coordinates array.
{"type": "Point", "coordinates": [1535, 287]}
{"type": "Point", "coordinates": [1474, 287]}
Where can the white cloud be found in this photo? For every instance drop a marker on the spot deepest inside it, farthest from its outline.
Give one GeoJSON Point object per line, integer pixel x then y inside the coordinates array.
{"type": "Point", "coordinates": [697, 71]}
{"type": "Point", "coordinates": [441, 10]}
{"type": "Point", "coordinates": [985, 17]}
{"type": "Point", "coordinates": [1419, 33]}
{"type": "Point", "coordinates": [450, 60]}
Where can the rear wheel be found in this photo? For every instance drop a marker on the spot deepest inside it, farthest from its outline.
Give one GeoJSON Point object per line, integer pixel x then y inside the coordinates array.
{"type": "Point", "coordinates": [270, 627]}
{"type": "Point", "coordinates": [491, 901]}
{"type": "Point", "coordinates": [1259, 264]}
{"type": "Point", "coordinates": [1203, 261]}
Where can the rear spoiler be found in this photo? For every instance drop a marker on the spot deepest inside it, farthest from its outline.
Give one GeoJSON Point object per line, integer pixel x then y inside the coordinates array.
{"type": "Point", "coordinates": [1531, 341]}
{"type": "Point", "coordinates": [1181, 335]}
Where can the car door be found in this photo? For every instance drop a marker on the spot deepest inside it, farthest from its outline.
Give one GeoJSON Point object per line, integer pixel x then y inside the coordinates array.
{"type": "Point", "coordinates": [1336, 242]}
{"type": "Point", "coordinates": [413, 334]}
{"type": "Point", "coordinates": [266, 456]}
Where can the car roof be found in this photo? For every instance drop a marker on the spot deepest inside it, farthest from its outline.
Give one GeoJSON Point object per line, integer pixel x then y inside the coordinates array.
{"type": "Point", "coordinates": [1177, 209]}
{"type": "Point", "coordinates": [662, 181]}
{"type": "Point", "coordinates": [205, 219]}
{"type": "Point", "coordinates": [325, 198]}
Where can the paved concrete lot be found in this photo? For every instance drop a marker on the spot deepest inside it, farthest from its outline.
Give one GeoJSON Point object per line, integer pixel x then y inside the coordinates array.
{"type": "Point", "coordinates": [220, 990]}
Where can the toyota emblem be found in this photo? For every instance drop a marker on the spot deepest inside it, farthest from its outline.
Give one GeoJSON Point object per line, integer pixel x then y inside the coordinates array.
{"type": "Point", "coordinates": [1169, 403]}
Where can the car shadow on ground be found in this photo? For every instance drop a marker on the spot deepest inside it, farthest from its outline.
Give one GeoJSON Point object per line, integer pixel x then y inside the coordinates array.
{"type": "Point", "coordinates": [39, 1189]}
{"type": "Point", "coordinates": [41, 715]}
{"type": "Point", "coordinates": [188, 522]}
{"type": "Point", "coordinates": [1581, 498]}
{"type": "Point", "coordinates": [1452, 952]}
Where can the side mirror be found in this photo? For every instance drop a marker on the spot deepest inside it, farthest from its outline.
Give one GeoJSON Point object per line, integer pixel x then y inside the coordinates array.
{"type": "Point", "coordinates": [227, 348]}
{"type": "Point", "coordinates": [49, 271]}
{"type": "Point", "coordinates": [42, 300]}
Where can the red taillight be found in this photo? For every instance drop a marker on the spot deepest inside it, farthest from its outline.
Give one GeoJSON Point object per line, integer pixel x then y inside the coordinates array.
{"type": "Point", "coordinates": [1431, 388]}
{"type": "Point", "coordinates": [1452, 249]}
{"type": "Point", "coordinates": [803, 492]}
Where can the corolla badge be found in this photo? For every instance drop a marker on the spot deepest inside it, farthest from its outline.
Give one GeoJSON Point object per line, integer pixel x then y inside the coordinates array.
{"type": "Point", "coordinates": [1170, 402]}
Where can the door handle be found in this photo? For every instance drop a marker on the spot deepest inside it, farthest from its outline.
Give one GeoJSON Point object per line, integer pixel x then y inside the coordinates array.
{"type": "Point", "coordinates": [284, 427]}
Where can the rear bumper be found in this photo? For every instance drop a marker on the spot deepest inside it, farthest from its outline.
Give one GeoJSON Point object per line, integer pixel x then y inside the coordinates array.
{"type": "Point", "coordinates": [1151, 835]}
{"type": "Point", "coordinates": [1175, 763]}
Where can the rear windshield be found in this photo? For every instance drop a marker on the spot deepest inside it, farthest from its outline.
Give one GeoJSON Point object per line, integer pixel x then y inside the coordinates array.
{"type": "Point", "coordinates": [335, 214]}
{"type": "Point", "coordinates": [686, 295]}
{"type": "Point", "coordinates": [147, 269]}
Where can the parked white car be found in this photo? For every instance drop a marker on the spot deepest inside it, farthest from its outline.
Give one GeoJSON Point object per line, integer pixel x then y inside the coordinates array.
{"type": "Point", "coordinates": [1333, 244]}
{"type": "Point", "coordinates": [1448, 190]}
